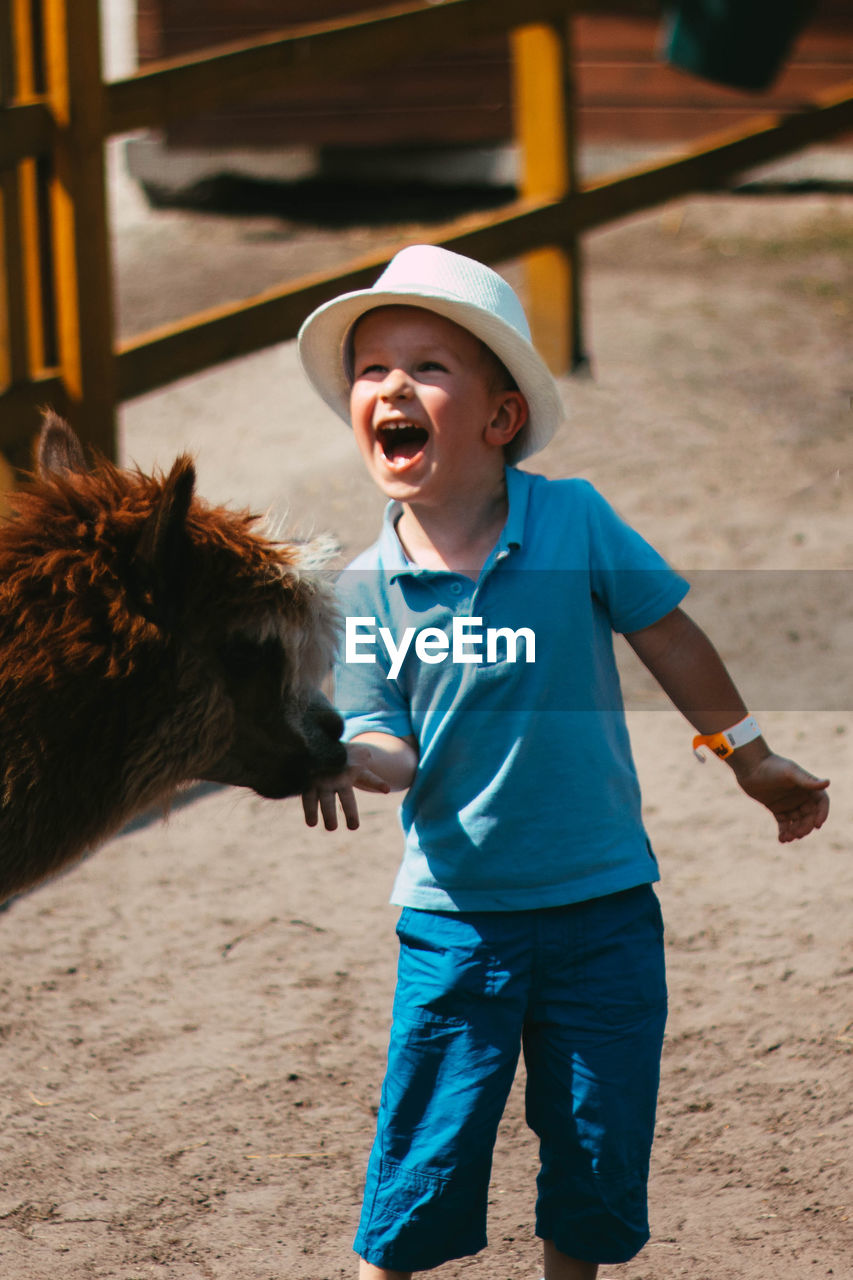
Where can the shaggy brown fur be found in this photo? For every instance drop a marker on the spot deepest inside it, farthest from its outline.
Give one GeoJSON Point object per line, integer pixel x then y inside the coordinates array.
{"type": "Point", "coordinates": [146, 639]}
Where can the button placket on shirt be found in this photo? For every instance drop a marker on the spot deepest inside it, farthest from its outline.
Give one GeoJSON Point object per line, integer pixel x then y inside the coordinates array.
{"type": "Point", "coordinates": [466, 601]}
{"type": "Point", "coordinates": [477, 608]}
{"type": "Point", "coordinates": [458, 597]}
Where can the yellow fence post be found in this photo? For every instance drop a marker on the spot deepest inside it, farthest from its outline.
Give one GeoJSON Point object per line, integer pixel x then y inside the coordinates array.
{"type": "Point", "coordinates": [8, 210]}
{"type": "Point", "coordinates": [12, 330]}
{"type": "Point", "coordinates": [25, 348]}
{"type": "Point", "coordinates": [78, 199]}
{"type": "Point", "coordinates": [10, 351]}
{"type": "Point", "coordinates": [27, 353]}
{"type": "Point", "coordinates": [543, 93]}
{"type": "Point", "coordinates": [33, 250]}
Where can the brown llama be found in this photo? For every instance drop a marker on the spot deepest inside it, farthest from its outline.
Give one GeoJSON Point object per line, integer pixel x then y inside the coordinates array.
{"type": "Point", "coordinates": [147, 639]}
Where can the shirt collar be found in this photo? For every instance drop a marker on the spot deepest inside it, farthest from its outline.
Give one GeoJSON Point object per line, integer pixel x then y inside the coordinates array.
{"type": "Point", "coordinates": [518, 496]}
{"type": "Point", "coordinates": [394, 560]}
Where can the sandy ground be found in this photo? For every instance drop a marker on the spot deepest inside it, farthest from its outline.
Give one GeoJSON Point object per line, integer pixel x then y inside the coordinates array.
{"type": "Point", "coordinates": [193, 1022]}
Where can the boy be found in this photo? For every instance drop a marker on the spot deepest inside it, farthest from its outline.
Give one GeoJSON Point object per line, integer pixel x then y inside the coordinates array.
{"type": "Point", "coordinates": [479, 678]}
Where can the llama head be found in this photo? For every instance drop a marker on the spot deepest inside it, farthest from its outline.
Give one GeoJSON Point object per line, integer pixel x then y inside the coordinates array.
{"type": "Point", "coordinates": [149, 639]}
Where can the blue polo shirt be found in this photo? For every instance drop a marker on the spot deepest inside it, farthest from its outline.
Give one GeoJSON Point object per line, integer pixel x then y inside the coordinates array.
{"type": "Point", "coordinates": [526, 794]}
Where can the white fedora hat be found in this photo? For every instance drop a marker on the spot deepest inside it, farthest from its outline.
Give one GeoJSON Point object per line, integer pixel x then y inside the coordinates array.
{"type": "Point", "coordinates": [459, 289]}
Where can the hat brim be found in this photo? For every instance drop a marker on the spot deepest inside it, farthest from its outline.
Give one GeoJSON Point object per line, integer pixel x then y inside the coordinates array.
{"type": "Point", "coordinates": [323, 352]}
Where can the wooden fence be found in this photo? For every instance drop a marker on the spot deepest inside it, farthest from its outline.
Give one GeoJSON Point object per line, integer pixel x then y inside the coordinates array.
{"type": "Point", "coordinates": [57, 339]}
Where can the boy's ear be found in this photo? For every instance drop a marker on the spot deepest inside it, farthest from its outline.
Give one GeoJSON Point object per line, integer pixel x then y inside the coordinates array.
{"type": "Point", "coordinates": [508, 419]}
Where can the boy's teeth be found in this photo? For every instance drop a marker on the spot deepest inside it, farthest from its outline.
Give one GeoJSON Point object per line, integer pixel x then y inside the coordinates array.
{"type": "Point", "coordinates": [401, 439]}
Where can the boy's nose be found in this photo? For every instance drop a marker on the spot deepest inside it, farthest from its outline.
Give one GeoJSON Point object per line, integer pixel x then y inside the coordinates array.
{"type": "Point", "coordinates": [397, 385]}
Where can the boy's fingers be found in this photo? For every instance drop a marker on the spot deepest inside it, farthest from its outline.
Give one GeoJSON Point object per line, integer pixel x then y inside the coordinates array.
{"type": "Point", "coordinates": [309, 807]}
{"type": "Point", "coordinates": [819, 811]}
{"type": "Point", "coordinates": [349, 805]}
{"type": "Point", "coordinates": [329, 810]}
{"type": "Point", "coordinates": [810, 782]}
{"type": "Point", "coordinates": [327, 794]}
{"type": "Point", "coordinates": [368, 781]}
{"type": "Point", "coordinates": [810, 816]}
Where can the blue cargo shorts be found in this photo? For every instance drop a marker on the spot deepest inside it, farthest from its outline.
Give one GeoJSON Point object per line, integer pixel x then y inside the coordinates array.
{"type": "Point", "coordinates": [582, 989]}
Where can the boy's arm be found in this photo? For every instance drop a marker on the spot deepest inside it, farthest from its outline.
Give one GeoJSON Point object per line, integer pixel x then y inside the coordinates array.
{"type": "Point", "coordinates": [690, 671]}
{"type": "Point", "coordinates": [376, 762]}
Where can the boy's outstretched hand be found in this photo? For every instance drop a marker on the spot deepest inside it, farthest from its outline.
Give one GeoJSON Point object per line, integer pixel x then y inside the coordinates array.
{"type": "Point", "coordinates": [326, 792]}
{"type": "Point", "coordinates": [688, 668]}
{"type": "Point", "coordinates": [797, 799]}
{"type": "Point", "coordinates": [376, 762]}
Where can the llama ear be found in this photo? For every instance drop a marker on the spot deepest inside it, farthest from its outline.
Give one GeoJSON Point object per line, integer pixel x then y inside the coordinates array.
{"type": "Point", "coordinates": [59, 449]}
{"type": "Point", "coordinates": [161, 553]}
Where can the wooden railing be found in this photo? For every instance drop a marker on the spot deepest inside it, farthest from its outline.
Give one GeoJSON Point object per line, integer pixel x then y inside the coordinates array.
{"type": "Point", "coordinates": [57, 340]}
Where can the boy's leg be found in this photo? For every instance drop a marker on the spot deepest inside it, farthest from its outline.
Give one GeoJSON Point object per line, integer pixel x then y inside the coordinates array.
{"type": "Point", "coordinates": [592, 1044]}
{"type": "Point", "coordinates": [559, 1266]}
{"type": "Point", "coordinates": [368, 1272]}
{"type": "Point", "coordinates": [455, 1040]}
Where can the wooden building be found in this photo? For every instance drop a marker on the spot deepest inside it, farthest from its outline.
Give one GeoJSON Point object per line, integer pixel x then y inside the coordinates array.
{"type": "Point", "coordinates": [626, 93]}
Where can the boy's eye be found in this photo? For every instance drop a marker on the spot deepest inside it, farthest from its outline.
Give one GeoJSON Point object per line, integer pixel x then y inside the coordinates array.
{"type": "Point", "coordinates": [376, 369]}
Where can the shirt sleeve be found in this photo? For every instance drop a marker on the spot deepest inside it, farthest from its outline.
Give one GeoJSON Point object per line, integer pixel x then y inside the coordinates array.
{"type": "Point", "coordinates": [628, 576]}
{"type": "Point", "coordinates": [366, 698]}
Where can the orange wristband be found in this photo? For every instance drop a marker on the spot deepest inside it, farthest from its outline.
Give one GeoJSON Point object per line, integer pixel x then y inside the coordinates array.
{"type": "Point", "coordinates": [727, 740]}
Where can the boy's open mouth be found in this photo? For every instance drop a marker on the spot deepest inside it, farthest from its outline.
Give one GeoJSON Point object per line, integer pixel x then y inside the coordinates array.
{"type": "Point", "coordinates": [401, 442]}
